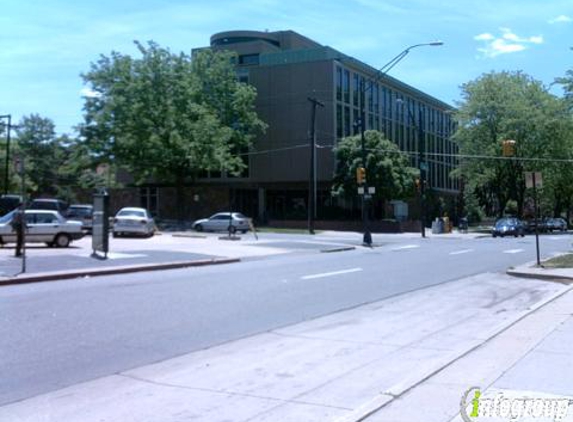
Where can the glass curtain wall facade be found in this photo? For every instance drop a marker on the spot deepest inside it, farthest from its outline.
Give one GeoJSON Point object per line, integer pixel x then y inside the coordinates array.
{"type": "Point", "coordinates": [396, 114]}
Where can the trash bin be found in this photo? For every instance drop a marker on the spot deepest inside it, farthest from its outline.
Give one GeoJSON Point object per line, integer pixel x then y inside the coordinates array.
{"type": "Point", "coordinates": [438, 226]}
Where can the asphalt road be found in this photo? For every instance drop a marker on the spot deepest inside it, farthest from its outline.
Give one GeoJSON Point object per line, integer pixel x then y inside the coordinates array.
{"type": "Point", "coordinates": [61, 333]}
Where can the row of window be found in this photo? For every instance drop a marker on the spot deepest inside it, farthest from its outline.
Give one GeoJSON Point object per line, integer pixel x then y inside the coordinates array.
{"type": "Point", "coordinates": [386, 103]}
{"type": "Point", "coordinates": [397, 116]}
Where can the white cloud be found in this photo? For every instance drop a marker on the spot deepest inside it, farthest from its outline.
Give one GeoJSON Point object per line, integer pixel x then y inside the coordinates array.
{"type": "Point", "coordinates": [89, 93]}
{"type": "Point", "coordinates": [508, 42]}
{"type": "Point", "coordinates": [486, 36]}
{"type": "Point", "coordinates": [561, 19]}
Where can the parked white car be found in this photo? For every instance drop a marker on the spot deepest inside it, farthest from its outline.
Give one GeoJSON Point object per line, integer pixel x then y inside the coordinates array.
{"type": "Point", "coordinates": [220, 222]}
{"type": "Point", "coordinates": [44, 226]}
{"type": "Point", "coordinates": [130, 221]}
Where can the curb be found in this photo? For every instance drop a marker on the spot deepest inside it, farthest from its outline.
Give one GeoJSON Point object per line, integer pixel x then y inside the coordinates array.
{"type": "Point", "coordinates": [125, 269]}
{"type": "Point", "coordinates": [398, 390]}
{"type": "Point", "coordinates": [540, 276]}
{"type": "Point", "coordinates": [341, 249]}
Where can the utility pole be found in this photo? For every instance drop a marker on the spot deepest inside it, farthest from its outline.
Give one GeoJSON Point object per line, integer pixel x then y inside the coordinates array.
{"type": "Point", "coordinates": [312, 173]}
{"type": "Point", "coordinates": [423, 166]}
{"type": "Point", "coordinates": [9, 128]}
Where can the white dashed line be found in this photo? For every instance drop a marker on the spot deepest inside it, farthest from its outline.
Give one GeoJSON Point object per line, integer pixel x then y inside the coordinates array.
{"type": "Point", "coordinates": [461, 252]}
{"type": "Point", "coordinates": [321, 275]}
{"type": "Point", "coordinates": [405, 247]}
{"type": "Point", "coordinates": [513, 251]}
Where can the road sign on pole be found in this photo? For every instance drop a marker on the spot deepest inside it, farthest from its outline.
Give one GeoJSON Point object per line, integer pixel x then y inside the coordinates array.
{"type": "Point", "coordinates": [533, 179]}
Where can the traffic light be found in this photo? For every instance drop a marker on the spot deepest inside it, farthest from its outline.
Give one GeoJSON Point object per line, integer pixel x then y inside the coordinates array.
{"type": "Point", "coordinates": [508, 147]}
{"type": "Point", "coordinates": [360, 175]}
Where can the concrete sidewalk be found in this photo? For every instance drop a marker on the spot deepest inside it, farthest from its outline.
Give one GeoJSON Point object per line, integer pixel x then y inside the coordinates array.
{"type": "Point", "coordinates": [531, 360]}
{"type": "Point", "coordinates": [373, 361]}
{"type": "Point", "coordinates": [127, 255]}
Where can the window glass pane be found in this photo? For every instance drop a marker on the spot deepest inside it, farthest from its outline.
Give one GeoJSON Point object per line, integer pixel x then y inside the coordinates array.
{"type": "Point", "coordinates": [338, 84]}
{"type": "Point", "coordinates": [356, 90]}
{"type": "Point", "coordinates": [346, 85]}
{"type": "Point", "coordinates": [339, 121]}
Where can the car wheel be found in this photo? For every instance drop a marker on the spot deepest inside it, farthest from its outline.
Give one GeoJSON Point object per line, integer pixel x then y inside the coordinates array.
{"type": "Point", "coordinates": [62, 240]}
{"type": "Point", "coordinates": [115, 234]}
{"type": "Point", "coordinates": [199, 228]}
{"type": "Point", "coordinates": [244, 231]}
{"type": "Point", "coordinates": [494, 235]}
{"type": "Point", "coordinates": [232, 229]}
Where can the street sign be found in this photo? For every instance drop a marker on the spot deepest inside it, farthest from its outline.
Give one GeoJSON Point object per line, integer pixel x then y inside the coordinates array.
{"type": "Point", "coordinates": [360, 191]}
{"type": "Point", "coordinates": [531, 176]}
{"type": "Point", "coordinates": [371, 190]}
{"type": "Point", "coordinates": [18, 164]}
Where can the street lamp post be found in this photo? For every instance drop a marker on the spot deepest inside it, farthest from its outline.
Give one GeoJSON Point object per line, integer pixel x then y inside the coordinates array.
{"type": "Point", "coordinates": [367, 238]}
{"type": "Point", "coordinates": [9, 127]}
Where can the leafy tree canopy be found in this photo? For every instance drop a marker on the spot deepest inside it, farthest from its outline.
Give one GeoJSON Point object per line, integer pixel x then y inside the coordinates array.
{"type": "Point", "coordinates": [502, 106]}
{"type": "Point", "coordinates": [169, 116]}
{"type": "Point", "coordinates": [387, 168]}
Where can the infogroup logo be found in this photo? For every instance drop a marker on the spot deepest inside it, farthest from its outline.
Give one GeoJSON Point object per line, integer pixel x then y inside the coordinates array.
{"type": "Point", "coordinates": [474, 406]}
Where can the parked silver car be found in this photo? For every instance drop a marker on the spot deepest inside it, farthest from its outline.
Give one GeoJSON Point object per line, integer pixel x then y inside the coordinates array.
{"type": "Point", "coordinates": [556, 224]}
{"type": "Point", "coordinates": [44, 226]}
{"type": "Point", "coordinates": [83, 214]}
{"type": "Point", "coordinates": [131, 220]}
{"type": "Point", "coordinates": [221, 222]}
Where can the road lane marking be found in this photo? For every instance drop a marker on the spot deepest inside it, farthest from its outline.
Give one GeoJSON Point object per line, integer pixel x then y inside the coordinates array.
{"type": "Point", "coordinates": [321, 275]}
{"type": "Point", "coordinates": [461, 252]}
{"type": "Point", "coordinates": [514, 251]}
{"type": "Point", "coordinates": [401, 248]}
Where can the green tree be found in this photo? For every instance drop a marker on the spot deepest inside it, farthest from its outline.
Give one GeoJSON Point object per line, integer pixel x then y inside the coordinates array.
{"type": "Point", "coordinates": [502, 106]}
{"type": "Point", "coordinates": [567, 83]}
{"type": "Point", "coordinates": [44, 153]}
{"type": "Point", "coordinates": [387, 168]}
{"type": "Point", "coordinates": [167, 117]}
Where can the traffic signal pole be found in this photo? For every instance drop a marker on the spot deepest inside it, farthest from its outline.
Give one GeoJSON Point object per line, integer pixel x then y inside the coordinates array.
{"type": "Point", "coordinates": [7, 163]}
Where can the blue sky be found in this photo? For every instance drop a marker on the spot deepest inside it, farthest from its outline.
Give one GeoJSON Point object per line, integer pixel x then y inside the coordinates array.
{"type": "Point", "coordinates": [46, 44]}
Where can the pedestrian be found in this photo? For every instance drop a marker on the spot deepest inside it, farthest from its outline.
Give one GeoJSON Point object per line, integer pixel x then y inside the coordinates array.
{"type": "Point", "coordinates": [18, 226]}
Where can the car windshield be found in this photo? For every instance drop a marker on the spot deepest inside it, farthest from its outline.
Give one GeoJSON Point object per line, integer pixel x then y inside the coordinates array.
{"type": "Point", "coordinates": [239, 215]}
{"type": "Point", "coordinates": [7, 218]}
{"type": "Point", "coordinates": [503, 222]}
{"type": "Point", "coordinates": [131, 213]}
{"type": "Point", "coordinates": [79, 212]}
